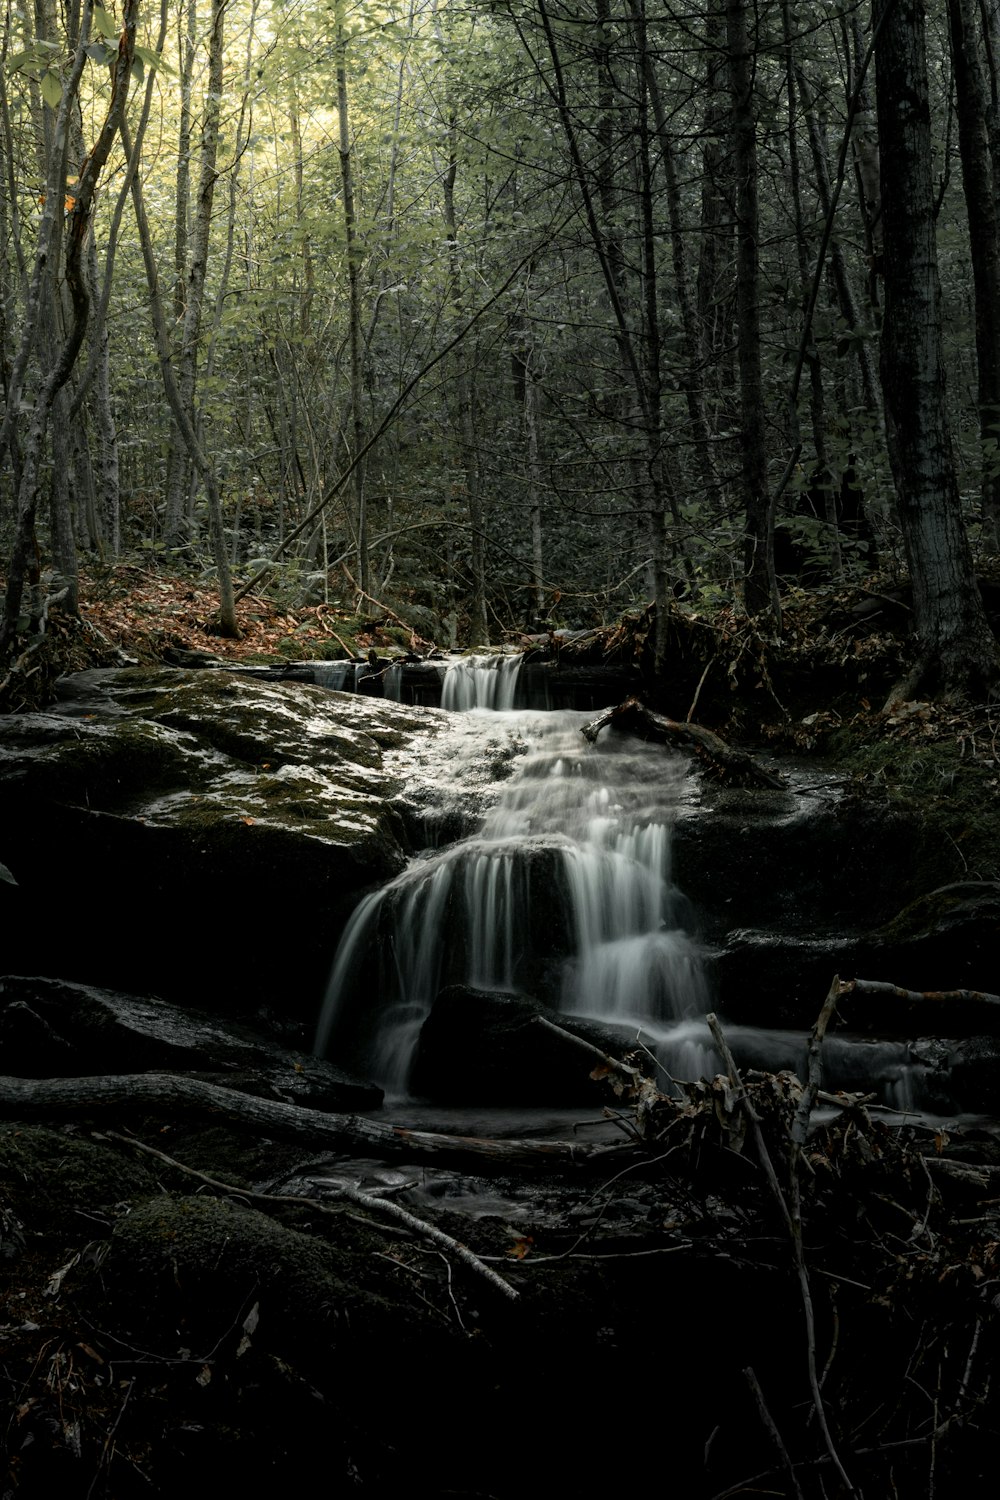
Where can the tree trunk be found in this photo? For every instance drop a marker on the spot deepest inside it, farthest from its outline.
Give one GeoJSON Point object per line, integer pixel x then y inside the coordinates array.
{"type": "Point", "coordinates": [354, 315]}
{"type": "Point", "coordinates": [981, 210]}
{"type": "Point", "coordinates": [958, 654]}
{"type": "Point", "coordinates": [759, 587]}
{"type": "Point", "coordinates": [178, 464]}
{"type": "Point", "coordinates": [478, 625]}
{"type": "Point", "coordinates": [23, 554]}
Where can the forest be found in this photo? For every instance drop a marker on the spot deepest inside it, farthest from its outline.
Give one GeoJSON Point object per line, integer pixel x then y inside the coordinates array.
{"type": "Point", "coordinates": [499, 613]}
{"type": "Point", "coordinates": [502, 318]}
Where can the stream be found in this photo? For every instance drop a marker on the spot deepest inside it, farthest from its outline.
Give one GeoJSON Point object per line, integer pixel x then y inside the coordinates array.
{"type": "Point", "coordinates": [560, 890]}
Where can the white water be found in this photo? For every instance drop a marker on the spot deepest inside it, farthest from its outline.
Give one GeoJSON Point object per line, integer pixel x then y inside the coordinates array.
{"type": "Point", "coordinates": [565, 893]}
{"type": "Point", "coordinates": [485, 681]}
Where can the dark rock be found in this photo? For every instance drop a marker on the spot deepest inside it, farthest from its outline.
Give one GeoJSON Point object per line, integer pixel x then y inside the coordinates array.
{"type": "Point", "coordinates": [54, 1028]}
{"type": "Point", "coordinates": [486, 1047]}
{"type": "Point", "coordinates": [973, 1074]}
{"type": "Point", "coordinates": [802, 863]}
{"type": "Point", "coordinates": [946, 940]}
{"type": "Point", "coordinates": [158, 812]}
{"type": "Point", "coordinates": [187, 1271]}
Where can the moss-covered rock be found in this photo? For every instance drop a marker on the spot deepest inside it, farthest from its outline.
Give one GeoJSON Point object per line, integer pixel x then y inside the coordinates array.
{"type": "Point", "coordinates": [170, 809]}
{"type": "Point", "coordinates": [58, 1179]}
{"type": "Point", "coordinates": [188, 1270]}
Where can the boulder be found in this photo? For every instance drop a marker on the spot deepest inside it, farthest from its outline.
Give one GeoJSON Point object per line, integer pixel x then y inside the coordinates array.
{"type": "Point", "coordinates": [486, 1047]}
{"type": "Point", "coordinates": [816, 858]}
{"type": "Point", "coordinates": [51, 1028]}
{"type": "Point", "coordinates": [197, 833]}
{"type": "Point", "coordinates": [946, 940]}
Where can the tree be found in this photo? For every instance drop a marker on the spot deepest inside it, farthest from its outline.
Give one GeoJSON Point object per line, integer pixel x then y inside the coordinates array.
{"type": "Point", "coordinates": [957, 652]}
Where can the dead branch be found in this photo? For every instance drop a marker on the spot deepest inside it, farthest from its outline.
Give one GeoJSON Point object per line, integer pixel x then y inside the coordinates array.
{"type": "Point", "coordinates": [735, 767]}
{"type": "Point", "coordinates": [876, 987]}
{"type": "Point", "coordinates": [338, 1190]}
{"type": "Point", "coordinates": [793, 1219]}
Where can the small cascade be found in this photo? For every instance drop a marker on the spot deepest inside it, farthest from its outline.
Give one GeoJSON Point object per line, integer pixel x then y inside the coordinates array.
{"type": "Point", "coordinates": [563, 893]}
{"type": "Point", "coordinates": [345, 677]}
{"type": "Point", "coordinates": [483, 681]}
{"type": "Point", "coordinates": [339, 676]}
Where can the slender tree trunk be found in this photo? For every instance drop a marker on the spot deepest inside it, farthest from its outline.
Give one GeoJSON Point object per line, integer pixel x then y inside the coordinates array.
{"type": "Point", "coordinates": [354, 314]}
{"type": "Point", "coordinates": [759, 588]}
{"type": "Point", "coordinates": [714, 283]}
{"type": "Point", "coordinates": [693, 380]}
{"type": "Point", "coordinates": [178, 465]}
{"type": "Point", "coordinates": [984, 242]}
{"type": "Point", "coordinates": [181, 413]}
{"type": "Point", "coordinates": [822, 477]}
{"type": "Point", "coordinates": [77, 227]}
{"type": "Point", "coordinates": [957, 651]}
{"type": "Point", "coordinates": [464, 398]}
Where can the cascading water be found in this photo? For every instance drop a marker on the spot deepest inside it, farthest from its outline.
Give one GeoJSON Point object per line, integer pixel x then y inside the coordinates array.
{"type": "Point", "coordinates": [485, 681]}
{"type": "Point", "coordinates": [563, 893]}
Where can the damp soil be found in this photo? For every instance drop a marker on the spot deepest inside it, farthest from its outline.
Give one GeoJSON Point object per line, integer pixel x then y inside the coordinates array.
{"type": "Point", "coordinates": [158, 1330]}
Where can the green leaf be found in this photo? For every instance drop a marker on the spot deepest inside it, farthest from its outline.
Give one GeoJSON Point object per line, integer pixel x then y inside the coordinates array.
{"type": "Point", "coordinates": [6, 875]}
{"type": "Point", "coordinates": [51, 86]}
{"type": "Point", "coordinates": [103, 23]}
{"type": "Point", "coordinates": [153, 59]}
{"type": "Point", "coordinates": [101, 54]}
{"type": "Point", "coordinates": [137, 70]}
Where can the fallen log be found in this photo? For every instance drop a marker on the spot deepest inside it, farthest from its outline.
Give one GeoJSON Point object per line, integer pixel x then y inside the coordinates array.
{"type": "Point", "coordinates": [736, 767]}
{"type": "Point", "coordinates": [49, 1098]}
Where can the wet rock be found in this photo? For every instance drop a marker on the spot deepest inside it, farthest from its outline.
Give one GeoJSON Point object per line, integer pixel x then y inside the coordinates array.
{"type": "Point", "coordinates": [950, 936]}
{"type": "Point", "coordinates": [160, 812]}
{"type": "Point", "coordinates": [813, 859]}
{"type": "Point", "coordinates": [963, 1075]}
{"type": "Point", "coordinates": [946, 940]}
{"type": "Point", "coordinates": [52, 1028]}
{"type": "Point", "coordinates": [486, 1047]}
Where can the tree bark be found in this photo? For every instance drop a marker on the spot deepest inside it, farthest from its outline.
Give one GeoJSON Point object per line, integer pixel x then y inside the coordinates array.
{"type": "Point", "coordinates": [760, 591]}
{"type": "Point", "coordinates": [984, 245]}
{"type": "Point", "coordinates": [59, 1098]}
{"type": "Point", "coordinates": [23, 553]}
{"type": "Point", "coordinates": [957, 652]}
{"type": "Point", "coordinates": [354, 315]}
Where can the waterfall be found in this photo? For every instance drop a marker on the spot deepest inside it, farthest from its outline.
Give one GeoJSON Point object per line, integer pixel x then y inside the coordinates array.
{"type": "Point", "coordinates": [484, 681]}
{"type": "Point", "coordinates": [563, 893]}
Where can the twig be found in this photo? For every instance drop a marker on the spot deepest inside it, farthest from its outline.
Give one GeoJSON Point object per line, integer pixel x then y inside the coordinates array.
{"type": "Point", "coordinates": [792, 1216]}
{"type": "Point", "coordinates": [429, 1231]}
{"type": "Point", "coordinates": [800, 1127]}
{"type": "Point", "coordinates": [353, 1195]}
{"type": "Point", "coordinates": [614, 1063]}
{"type": "Point", "coordinates": [697, 691]}
{"type": "Point", "coordinates": [771, 1425]}
{"type": "Point", "coordinates": [351, 655]}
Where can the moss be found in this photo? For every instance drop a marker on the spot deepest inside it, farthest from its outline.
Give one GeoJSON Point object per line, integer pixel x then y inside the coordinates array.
{"type": "Point", "coordinates": [955, 795]}
{"type": "Point", "coordinates": [188, 1270]}
{"type": "Point", "coordinates": [46, 1174]}
{"type": "Point", "coordinates": [113, 766]}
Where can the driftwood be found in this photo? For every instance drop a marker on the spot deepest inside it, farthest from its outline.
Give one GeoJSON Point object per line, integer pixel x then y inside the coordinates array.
{"type": "Point", "coordinates": [736, 767]}
{"type": "Point", "coordinates": [45, 1098]}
